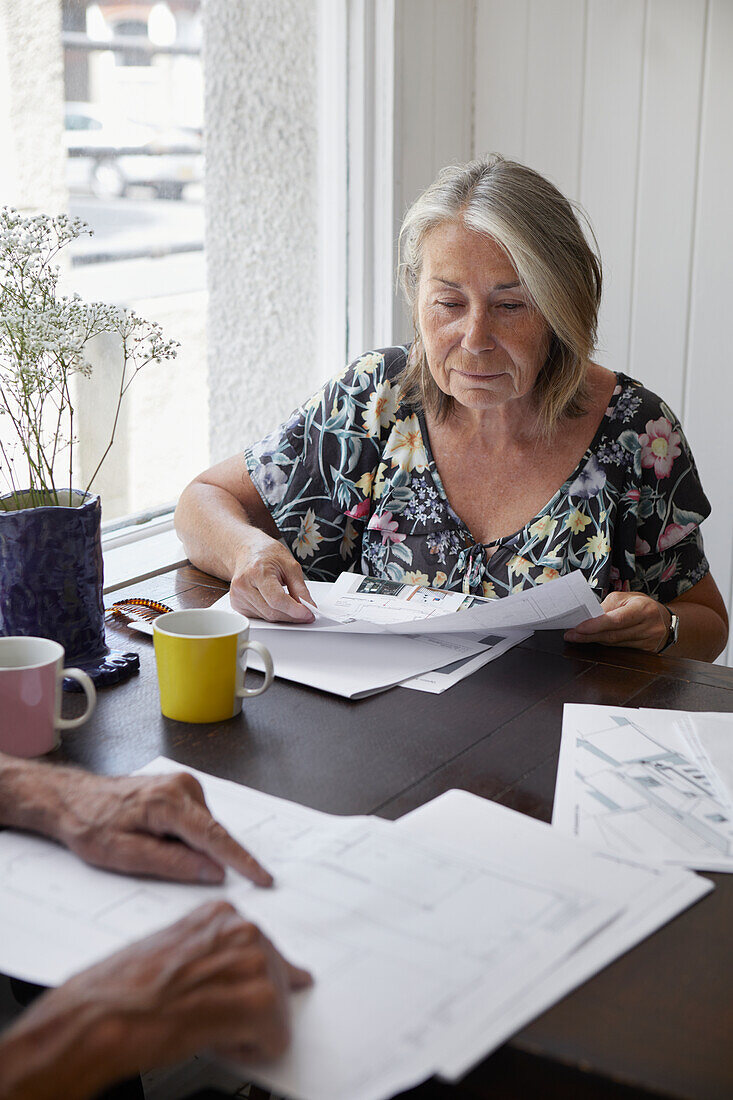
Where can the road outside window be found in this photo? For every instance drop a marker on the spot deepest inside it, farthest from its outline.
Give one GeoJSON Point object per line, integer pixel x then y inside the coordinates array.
{"type": "Point", "coordinates": [133, 116]}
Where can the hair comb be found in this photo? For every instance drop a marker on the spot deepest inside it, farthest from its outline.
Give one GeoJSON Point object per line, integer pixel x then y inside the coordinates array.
{"type": "Point", "coordinates": [138, 609]}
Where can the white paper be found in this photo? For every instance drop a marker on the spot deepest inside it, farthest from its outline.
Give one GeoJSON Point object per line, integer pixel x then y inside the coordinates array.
{"type": "Point", "coordinates": [628, 782]}
{"type": "Point", "coordinates": [384, 602]}
{"type": "Point", "coordinates": [352, 606]}
{"type": "Point", "coordinates": [360, 665]}
{"type": "Point", "coordinates": [409, 942]}
{"type": "Point", "coordinates": [356, 666]}
{"type": "Point", "coordinates": [557, 605]}
{"type": "Point", "coordinates": [440, 679]}
{"type": "Point", "coordinates": [711, 738]}
{"type": "Point", "coordinates": [372, 665]}
{"type": "Point", "coordinates": [652, 896]}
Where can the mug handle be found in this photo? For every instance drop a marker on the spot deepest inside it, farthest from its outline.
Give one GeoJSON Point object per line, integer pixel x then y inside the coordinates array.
{"type": "Point", "coordinates": [244, 692]}
{"type": "Point", "coordinates": [89, 691]}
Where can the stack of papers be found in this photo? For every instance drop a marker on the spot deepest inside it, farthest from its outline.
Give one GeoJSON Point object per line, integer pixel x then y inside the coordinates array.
{"type": "Point", "coordinates": [652, 896]}
{"type": "Point", "coordinates": [710, 737]}
{"type": "Point", "coordinates": [371, 634]}
{"type": "Point", "coordinates": [366, 605]}
{"type": "Point", "coordinates": [652, 785]}
{"type": "Point", "coordinates": [430, 940]}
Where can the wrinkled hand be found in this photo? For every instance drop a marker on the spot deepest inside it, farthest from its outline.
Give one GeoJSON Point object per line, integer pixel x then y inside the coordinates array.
{"type": "Point", "coordinates": [149, 825]}
{"type": "Point", "coordinates": [629, 619]}
{"type": "Point", "coordinates": [212, 981]}
{"type": "Point", "coordinates": [268, 584]}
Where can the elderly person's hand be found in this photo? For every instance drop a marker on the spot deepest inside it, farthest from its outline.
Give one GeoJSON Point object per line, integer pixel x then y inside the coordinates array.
{"type": "Point", "coordinates": [629, 619]}
{"type": "Point", "coordinates": [268, 583]}
{"type": "Point", "coordinates": [227, 531]}
{"type": "Point", "coordinates": [145, 825]}
{"type": "Point", "coordinates": [637, 621]}
{"type": "Point", "coordinates": [211, 981]}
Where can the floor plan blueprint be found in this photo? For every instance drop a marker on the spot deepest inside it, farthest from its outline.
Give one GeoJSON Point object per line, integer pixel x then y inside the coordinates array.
{"type": "Point", "coordinates": [629, 782]}
{"type": "Point", "coordinates": [407, 941]}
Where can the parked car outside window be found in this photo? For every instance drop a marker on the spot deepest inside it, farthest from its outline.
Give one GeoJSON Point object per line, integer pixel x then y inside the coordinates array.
{"type": "Point", "coordinates": [109, 154]}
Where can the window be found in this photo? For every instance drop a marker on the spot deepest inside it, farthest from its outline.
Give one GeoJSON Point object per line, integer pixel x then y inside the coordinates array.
{"type": "Point", "coordinates": [121, 145]}
{"type": "Point", "coordinates": [133, 86]}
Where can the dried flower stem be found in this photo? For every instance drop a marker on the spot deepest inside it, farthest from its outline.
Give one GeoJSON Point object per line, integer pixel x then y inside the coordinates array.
{"type": "Point", "coordinates": [43, 337]}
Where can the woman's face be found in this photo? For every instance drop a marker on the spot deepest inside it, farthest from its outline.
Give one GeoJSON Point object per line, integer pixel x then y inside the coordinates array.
{"type": "Point", "coordinates": [484, 340]}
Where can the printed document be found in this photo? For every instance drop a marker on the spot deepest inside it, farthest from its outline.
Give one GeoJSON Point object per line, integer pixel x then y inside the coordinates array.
{"type": "Point", "coordinates": [440, 679]}
{"type": "Point", "coordinates": [365, 664]}
{"type": "Point", "coordinates": [711, 738]}
{"type": "Point", "coordinates": [630, 782]}
{"type": "Point", "coordinates": [419, 630]}
{"type": "Point", "coordinates": [653, 895]}
{"type": "Point", "coordinates": [411, 943]}
{"type": "Point", "coordinates": [359, 604]}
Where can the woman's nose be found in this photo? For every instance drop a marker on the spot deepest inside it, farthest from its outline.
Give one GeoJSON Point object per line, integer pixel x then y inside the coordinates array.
{"type": "Point", "coordinates": [477, 336]}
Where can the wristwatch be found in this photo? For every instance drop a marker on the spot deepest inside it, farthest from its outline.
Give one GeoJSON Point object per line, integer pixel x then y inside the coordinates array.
{"type": "Point", "coordinates": [672, 630]}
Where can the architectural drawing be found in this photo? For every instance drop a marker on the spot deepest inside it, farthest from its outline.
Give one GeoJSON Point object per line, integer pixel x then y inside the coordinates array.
{"type": "Point", "coordinates": [637, 789]}
{"type": "Point", "coordinates": [429, 938]}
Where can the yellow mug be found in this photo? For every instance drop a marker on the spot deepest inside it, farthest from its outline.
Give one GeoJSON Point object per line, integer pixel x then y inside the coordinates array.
{"type": "Point", "coordinates": [201, 656]}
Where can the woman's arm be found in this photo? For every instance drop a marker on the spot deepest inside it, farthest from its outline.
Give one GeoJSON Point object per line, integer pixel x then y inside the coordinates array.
{"type": "Point", "coordinates": [635, 620]}
{"type": "Point", "coordinates": [227, 531]}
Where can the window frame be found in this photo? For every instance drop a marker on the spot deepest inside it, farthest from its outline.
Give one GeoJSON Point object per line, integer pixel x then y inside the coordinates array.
{"type": "Point", "coordinates": [140, 546]}
{"type": "Point", "coordinates": [356, 221]}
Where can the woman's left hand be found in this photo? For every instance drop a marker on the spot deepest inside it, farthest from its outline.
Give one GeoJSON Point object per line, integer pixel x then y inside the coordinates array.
{"type": "Point", "coordinates": [629, 619]}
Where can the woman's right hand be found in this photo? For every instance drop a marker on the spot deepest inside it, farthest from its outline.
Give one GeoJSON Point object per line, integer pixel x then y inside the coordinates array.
{"type": "Point", "coordinates": [268, 583]}
{"type": "Point", "coordinates": [228, 531]}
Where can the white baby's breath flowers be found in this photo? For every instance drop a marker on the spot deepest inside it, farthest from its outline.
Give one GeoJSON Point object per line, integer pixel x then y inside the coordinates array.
{"type": "Point", "coordinates": [43, 337]}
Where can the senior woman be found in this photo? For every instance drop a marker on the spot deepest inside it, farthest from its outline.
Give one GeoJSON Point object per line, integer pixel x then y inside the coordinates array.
{"type": "Point", "coordinates": [491, 455]}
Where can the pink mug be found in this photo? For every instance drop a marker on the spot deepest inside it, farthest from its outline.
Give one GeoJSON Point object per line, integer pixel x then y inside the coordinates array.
{"type": "Point", "coordinates": [31, 672]}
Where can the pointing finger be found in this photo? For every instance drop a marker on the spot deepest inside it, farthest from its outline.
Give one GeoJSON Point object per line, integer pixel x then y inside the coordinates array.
{"type": "Point", "coordinates": [194, 824]}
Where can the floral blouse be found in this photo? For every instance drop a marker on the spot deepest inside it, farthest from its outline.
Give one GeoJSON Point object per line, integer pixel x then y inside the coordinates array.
{"type": "Point", "coordinates": [351, 482]}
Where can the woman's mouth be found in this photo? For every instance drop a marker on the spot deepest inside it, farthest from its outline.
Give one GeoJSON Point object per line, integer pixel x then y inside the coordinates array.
{"type": "Point", "coordinates": [473, 377]}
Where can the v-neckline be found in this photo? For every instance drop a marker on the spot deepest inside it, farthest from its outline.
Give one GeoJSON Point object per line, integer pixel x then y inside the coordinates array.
{"type": "Point", "coordinates": [587, 454]}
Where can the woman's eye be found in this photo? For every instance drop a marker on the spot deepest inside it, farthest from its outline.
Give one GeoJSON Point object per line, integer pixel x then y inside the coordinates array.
{"type": "Point", "coordinates": [510, 306]}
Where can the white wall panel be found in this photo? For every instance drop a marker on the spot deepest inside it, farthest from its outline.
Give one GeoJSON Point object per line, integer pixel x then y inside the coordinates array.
{"type": "Point", "coordinates": [709, 377]}
{"type": "Point", "coordinates": [435, 83]}
{"type": "Point", "coordinates": [501, 77]}
{"type": "Point", "coordinates": [554, 99]}
{"type": "Point", "coordinates": [453, 68]}
{"type": "Point", "coordinates": [410, 90]}
{"type": "Point", "coordinates": [610, 156]}
{"type": "Point", "coordinates": [665, 205]}
{"type": "Point", "coordinates": [529, 84]}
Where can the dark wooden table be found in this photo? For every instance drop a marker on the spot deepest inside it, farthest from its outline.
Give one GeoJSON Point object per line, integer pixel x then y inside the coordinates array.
{"type": "Point", "coordinates": [659, 1021]}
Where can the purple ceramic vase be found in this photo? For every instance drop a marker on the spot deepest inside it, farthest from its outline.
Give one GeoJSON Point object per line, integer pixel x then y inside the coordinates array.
{"type": "Point", "coordinates": [51, 572]}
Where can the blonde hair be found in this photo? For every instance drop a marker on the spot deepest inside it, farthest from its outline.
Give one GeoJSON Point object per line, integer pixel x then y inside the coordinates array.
{"type": "Point", "coordinates": [540, 232]}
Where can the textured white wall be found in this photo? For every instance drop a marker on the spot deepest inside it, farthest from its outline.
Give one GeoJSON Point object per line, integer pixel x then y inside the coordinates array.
{"type": "Point", "coordinates": [31, 115]}
{"type": "Point", "coordinates": [261, 214]}
{"type": "Point", "coordinates": [31, 106]}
